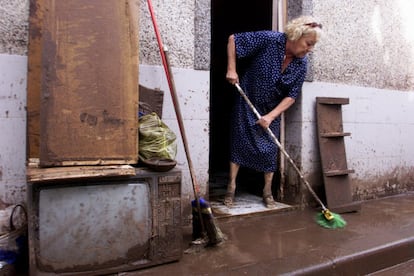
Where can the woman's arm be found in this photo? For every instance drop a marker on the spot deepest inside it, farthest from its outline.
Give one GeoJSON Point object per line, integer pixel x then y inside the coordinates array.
{"type": "Point", "coordinates": [231, 75]}
{"type": "Point", "coordinates": [268, 118]}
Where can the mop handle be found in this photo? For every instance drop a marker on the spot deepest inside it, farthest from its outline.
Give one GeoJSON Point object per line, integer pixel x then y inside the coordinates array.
{"type": "Point", "coordinates": [280, 147]}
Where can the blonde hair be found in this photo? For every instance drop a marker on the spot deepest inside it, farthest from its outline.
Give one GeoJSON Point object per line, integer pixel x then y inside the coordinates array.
{"type": "Point", "coordinates": [301, 26]}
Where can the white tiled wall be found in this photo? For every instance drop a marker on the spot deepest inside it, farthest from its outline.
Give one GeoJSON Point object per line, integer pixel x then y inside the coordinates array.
{"type": "Point", "coordinates": [192, 88]}
{"type": "Point", "coordinates": [13, 70]}
{"type": "Point", "coordinates": [381, 123]}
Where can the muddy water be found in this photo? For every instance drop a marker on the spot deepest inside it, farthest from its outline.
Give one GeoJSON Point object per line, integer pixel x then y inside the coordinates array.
{"type": "Point", "coordinates": [378, 236]}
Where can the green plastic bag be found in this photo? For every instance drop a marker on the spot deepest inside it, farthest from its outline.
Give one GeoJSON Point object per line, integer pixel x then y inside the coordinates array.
{"type": "Point", "coordinates": [155, 138]}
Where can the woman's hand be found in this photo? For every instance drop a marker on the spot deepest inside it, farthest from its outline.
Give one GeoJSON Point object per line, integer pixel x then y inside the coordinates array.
{"type": "Point", "coordinates": [232, 77]}
{"type": "Point", "coordinates": [265, 121]}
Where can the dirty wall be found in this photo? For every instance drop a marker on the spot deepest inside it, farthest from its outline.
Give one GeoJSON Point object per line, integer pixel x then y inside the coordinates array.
{"type": "Point", "coordinates": [13, 70]}
{"type": "Point", "coordinates": [184, 27]}
{"type": "Point", "coordinates": [366, 54]}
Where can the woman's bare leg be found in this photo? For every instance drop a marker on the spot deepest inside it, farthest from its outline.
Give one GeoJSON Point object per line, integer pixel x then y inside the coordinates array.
{"type": "Point", "coordinates": [231, 186]}
{"type": "Point", "coordinates": [234, 170]}
{"type": "Point", "coordinates": [267, 190]}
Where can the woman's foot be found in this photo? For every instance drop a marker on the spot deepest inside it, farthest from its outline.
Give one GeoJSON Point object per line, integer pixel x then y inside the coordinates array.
{"type": "Point", "coordinates": [231, 189]}
{"type": "Point", "coordinates": [229, 199]}
{"type": "Point", "coordinates": [269, 201]}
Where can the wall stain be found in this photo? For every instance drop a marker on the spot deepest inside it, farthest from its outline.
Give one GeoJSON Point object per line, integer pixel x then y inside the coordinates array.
{"type": "Point", "coordinates": [111, 120]}
{"type": "Point", "coordinates": [88, 119]}
{"type": "Point", "coordinates": [398, 181]}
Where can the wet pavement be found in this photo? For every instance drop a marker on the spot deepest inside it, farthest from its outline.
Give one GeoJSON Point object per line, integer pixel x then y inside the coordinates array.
{"type": "Point", "coordinates": [377, 240]}
{"type": "Point", "coordinates": [405, 269]}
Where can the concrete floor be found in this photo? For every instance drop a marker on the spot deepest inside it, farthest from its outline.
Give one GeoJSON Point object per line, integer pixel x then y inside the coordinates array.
{"type": "Point", "coordinates": [378, 240]}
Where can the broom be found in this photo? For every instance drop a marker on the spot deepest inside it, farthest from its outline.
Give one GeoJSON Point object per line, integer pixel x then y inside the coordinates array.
{"type": "Point", "coordinates": [326, 218]}
{"type": "Point", "coordinates": [203, 219]}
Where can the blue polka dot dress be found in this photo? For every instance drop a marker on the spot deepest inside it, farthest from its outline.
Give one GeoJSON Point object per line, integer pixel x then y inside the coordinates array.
{"type": "Point", "coordinates": [266, 86]}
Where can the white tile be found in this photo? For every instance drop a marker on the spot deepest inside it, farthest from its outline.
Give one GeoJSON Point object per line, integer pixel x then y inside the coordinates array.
{"type": "Point", "coordinates": [13, 128]}
{"type": "Point", "coordinates": [12, 147]}
{"type": "Point", "coordinates": [13, 78]}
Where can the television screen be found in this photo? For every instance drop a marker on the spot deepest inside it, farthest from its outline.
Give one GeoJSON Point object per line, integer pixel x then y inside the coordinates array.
{"type": "Point", "coordinates": [103, 225]}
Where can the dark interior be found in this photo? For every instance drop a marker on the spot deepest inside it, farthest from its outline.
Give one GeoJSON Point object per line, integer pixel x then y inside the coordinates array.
{"type": "Point", "coordinates": [227, 17]}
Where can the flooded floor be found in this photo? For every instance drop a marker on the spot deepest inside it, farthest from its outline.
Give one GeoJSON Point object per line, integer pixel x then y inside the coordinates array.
{"type": "Point", "coordinates": [381, 235]}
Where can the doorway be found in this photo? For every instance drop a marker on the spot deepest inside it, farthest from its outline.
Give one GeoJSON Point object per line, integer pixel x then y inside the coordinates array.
{"type": "Point", "coordinates": [228, 17]}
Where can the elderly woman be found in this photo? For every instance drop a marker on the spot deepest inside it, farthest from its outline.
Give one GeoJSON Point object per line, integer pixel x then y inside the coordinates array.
{"type": "Point", "coordinates": [273, 80]}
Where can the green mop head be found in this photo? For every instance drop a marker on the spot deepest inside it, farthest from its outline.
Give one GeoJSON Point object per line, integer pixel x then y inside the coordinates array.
{"type": "Point", "coordinates": [330, 220]}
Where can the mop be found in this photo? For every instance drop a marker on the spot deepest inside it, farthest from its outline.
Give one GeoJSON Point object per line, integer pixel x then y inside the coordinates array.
{"type": "Point", "coordinates": [204, 223]}
{"type": "Point", "coordinates": [326, 218]}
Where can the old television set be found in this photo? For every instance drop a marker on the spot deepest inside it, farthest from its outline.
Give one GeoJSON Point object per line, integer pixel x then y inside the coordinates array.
{"type": "Point", "coordinates": [105, 225]}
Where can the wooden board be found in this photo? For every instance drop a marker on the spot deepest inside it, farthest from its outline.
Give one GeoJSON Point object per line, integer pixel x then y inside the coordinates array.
{"type": "Point", "coordinates": [150, 100]}
{"type": "Point", "coordinates": [35, 175]}
{"type": "Point", "coordinates": [34, 78]}
{"type": "Point", "coordinates": [89, 83]}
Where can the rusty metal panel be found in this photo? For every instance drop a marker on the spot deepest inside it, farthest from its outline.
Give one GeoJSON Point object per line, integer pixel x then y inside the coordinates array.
{"type": "Point", "coordinates": [333, 155]}
{"type": "Point", "coordinates": [89, 83]}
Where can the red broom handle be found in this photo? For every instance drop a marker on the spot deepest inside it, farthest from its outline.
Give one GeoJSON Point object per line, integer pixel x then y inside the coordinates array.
{"type": "Point", "coordinates": [171, 85]}
{"type": "Point", "coordinates": [160, 45]}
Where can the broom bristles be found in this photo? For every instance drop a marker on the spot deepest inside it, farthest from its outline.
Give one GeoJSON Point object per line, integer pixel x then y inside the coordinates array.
{"type": "Point", "coordinates": [336, 222]}
{"type": "Point", "coordinates": [214, 234]}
